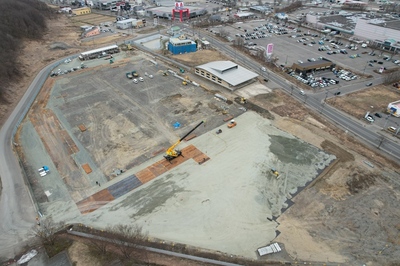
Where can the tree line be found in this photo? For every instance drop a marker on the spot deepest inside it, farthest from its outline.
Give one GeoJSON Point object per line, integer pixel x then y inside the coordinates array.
{"type": "Point", "coordinates": [19, 20]}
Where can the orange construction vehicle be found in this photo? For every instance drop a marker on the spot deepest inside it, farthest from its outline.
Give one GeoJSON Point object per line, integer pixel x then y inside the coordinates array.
{"type": "Point", "coordinates": [232, 124]}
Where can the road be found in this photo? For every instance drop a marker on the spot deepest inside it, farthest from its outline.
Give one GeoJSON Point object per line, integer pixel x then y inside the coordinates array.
{"type": "Point", "coordinates": [316, 102]}
{"type": "Point", "coordinates": [17, 208]}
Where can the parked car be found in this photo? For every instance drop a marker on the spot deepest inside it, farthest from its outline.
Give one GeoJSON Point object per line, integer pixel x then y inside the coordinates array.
{"type": "Point", "coordinates": [368, 84]}
{"type": "Point", "coordinates": [370, 119]}
{"type": "Point", "coordinates": [391, 129]}
{"type": "Point", "coordinates": [337, 93]}
{"type": "Point", "coordinates": [378, 115]}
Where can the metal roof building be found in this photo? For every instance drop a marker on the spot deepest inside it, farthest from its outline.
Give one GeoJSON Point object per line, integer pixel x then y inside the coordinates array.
{"type": "Point", "coordinates": [226, 73]}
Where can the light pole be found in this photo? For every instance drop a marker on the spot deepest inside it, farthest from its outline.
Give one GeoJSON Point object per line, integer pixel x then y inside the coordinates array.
{"type": "Point", "coordinates": [365, 67]}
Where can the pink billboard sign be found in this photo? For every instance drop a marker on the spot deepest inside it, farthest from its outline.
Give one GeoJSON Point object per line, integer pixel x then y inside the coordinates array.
{"type": "Point", "coordinates": [270, 48]}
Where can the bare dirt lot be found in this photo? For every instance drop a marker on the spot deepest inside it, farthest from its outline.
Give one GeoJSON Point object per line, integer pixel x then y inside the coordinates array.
{"type": "Point", "coordinates": [373, 100]}
{"type": "Point", "coordinates": [349, 214]}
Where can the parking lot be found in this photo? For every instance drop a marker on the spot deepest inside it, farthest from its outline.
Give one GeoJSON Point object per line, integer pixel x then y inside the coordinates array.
{"type": "Point", "coordinates": [294, 45]}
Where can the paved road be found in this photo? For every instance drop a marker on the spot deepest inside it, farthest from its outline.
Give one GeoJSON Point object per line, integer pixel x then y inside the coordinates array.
{"type": "Point", "coordinates": [17, 209]}
{"type": "Point", "coordinates": [367, 133]}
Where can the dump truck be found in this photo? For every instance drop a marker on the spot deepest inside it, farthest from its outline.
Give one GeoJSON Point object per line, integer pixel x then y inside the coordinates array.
{"type": "Point", "coordinates": [129, 75]}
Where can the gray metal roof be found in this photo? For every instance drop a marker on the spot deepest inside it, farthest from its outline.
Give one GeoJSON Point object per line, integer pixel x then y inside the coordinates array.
{"type": "Point", "coordinates": [229, 71]}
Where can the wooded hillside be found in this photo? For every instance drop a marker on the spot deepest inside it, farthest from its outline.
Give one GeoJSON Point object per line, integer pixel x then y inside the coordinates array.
{"type": "Point", "coordinates": [19, 20]}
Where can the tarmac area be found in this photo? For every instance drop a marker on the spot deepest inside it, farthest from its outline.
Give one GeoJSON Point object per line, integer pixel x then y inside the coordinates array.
{"type": "Point", "coordinates": [100, 118]}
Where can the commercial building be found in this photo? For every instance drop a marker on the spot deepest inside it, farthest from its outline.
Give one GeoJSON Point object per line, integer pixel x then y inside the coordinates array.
{"type": "Point", "coordinates": [365, 26]}
{"type": "Point", "coordinates": [309, 67]}
{"type": "Point", "coordinates": [178, 46]}
{"type": "Point", "coordinates": [226, 74]}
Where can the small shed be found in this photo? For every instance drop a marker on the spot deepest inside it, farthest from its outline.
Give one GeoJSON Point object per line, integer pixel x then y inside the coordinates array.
{"type": "Point", "coordinates": [82, 11]}
{"type": "Point", "coordinates": [92, 32]}
{"type": "Point", "coordinates": [137, 23]}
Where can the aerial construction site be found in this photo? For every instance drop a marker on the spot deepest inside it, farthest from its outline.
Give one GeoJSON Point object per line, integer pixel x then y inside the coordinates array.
{"type": "Point", "coordinates": [226, 176]}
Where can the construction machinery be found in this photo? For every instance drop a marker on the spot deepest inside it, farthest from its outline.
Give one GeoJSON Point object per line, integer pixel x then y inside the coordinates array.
{"type": "Point", "coordinates": [129, 75]}
{"type": "Point", "coordinates": [243, 100]}
{"type": "Point", "coordinates": [134, 73]}
{"type": "Point", "coordinates": [171, 153]}
{"type": "Point", "coordinates": [273, 171]}
{"type": "Point", "coordinates": [232, 124]}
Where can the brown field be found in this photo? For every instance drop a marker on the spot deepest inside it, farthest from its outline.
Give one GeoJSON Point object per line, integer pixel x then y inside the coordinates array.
{"type": "Point", "coordinates": [374, 99]}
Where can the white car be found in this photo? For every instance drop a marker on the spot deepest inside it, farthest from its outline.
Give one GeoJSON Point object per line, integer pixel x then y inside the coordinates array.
{"type": "Point", "coordinates": [263, 69]}
{"type": "Point", "coordinates": [150, 76]}
{"type": "Point", "coordinates": [370, 119]}
{"type": "Point", "coordinates": [135, 81]}
{"type": "Point", "coordinates": [141, 79]}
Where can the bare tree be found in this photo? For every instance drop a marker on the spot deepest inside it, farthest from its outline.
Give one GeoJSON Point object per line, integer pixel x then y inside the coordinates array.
{"type": "Point", "coordinates": [127, 238]}
{"type": "Point", "coordinates": [223, 33]}
{"type": "Point", "coordinates": [373, 46]}
{"type": "Point", "coordinates": [238, 42]}
{"type": "Point", "coordinates": [46, 230]}
{"type": "Point", "coordinates": [392, 77]}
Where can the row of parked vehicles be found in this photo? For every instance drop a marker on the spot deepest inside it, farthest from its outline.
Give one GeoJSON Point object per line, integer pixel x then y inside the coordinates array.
{"type": "Point", "coordinates": [344, 74]}
{"type": "Point", "coordinates": [314, 82]}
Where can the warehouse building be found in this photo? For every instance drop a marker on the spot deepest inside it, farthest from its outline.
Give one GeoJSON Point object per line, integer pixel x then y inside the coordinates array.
{"type": "Point", "coordinates": [129, 23]}
{"type": "Point", "coordinates": [226, 74]}
{"type": "Point", "coordinates": [310, 67]}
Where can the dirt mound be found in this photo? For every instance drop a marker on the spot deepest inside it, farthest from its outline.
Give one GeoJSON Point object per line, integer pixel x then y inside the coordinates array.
{"type": "Point", "coordinates": [360, 180]}
{"type": "Point", "coordinates": [199, 58]}
{"type": "Point", "coordinates": [340, 153]}
{"type": "Point", "coordinates": [256, 108]}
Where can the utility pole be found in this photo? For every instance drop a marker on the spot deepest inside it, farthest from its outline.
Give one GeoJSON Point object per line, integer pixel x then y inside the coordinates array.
{"type": "Point", "coordinates": [381, 141]}
{"type": "Point", "coordinates": [322, 108]}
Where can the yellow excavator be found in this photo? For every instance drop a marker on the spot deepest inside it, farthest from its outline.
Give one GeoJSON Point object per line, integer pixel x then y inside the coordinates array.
{"type": "Point", "coordinates": [276, 173]}
{"type": "Point", "coordinates": [171, 153]}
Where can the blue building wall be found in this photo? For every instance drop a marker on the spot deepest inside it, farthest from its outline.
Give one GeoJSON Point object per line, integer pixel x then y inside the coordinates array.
{"type": "Point", "coordinates": [182, 49]}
